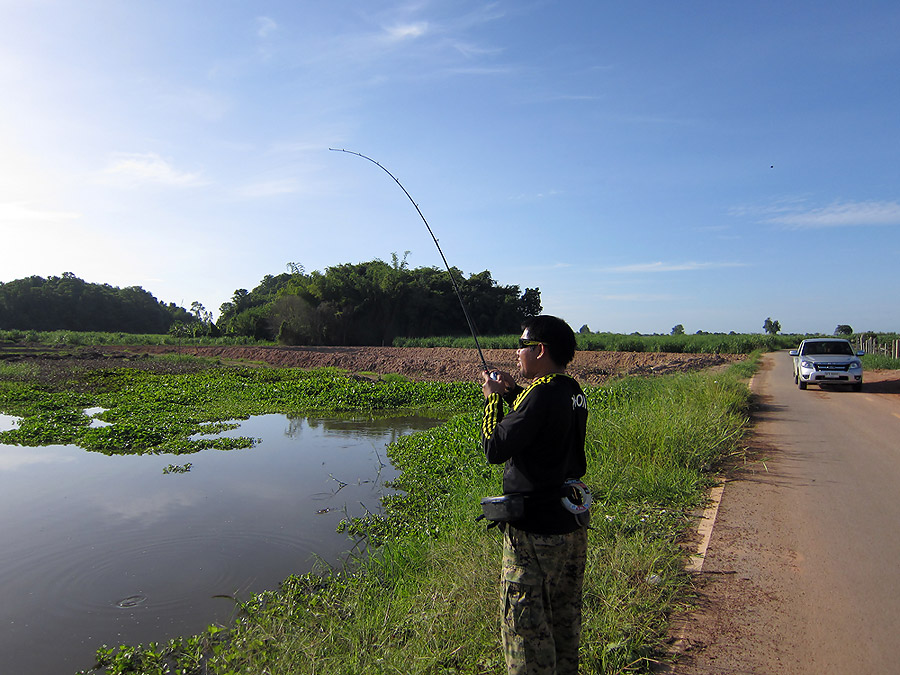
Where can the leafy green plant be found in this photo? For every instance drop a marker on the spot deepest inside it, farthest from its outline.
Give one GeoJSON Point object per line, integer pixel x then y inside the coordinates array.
{"type": "Point", "coordinates": [149, 412]}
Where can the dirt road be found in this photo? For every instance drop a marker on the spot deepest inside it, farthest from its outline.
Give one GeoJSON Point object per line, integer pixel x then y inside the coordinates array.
{"type": "Point", "coordinates": [802, 574]}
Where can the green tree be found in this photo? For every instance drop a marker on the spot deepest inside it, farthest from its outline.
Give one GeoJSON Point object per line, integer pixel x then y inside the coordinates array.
{"type": "Point", "coordinates": [678, 330]}
{"type": "Point", "coordinates": [70, 303]}
{"type": "Point", "coordinates": [843, 329]}
{"type": "Point", "coordinates": [771, 327]}
{"type": "Point", "coordinates": [372, 303]}
{"type": "Point", "coordinates": [203, 323]}
{"type": "Point", "coordinates": [531, 302]}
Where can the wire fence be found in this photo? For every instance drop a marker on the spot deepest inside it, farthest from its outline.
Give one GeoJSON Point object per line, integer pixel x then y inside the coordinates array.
{"type": "Point", "coordinates": [872, 346]}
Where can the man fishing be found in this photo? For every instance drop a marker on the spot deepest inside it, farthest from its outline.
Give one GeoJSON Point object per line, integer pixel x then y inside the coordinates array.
{"type": "Point", "coordinates": [541, 442]}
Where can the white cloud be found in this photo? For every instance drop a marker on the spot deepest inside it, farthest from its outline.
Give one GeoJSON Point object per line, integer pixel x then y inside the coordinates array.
{"type": "Point", "coordinates": [406, 31]}
{"type": "Point", "coordinates": [848, 214]}
{"type": "Point", "coordinates": [671, 267]}
{"type": "Point", "coordinates": [134, 169]}
{"type": "Point", "coordinates": [24, 212]}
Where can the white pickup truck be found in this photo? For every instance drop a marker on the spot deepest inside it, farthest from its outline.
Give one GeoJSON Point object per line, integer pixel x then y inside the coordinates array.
{"type": "Point", "coordinates": [827, 361]}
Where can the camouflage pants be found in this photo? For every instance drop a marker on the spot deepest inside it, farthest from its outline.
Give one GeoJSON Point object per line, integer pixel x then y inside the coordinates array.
{"type": "Point", "coordinates": [540, 587]}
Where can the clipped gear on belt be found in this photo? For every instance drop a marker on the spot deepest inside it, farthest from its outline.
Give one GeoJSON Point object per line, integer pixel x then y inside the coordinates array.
{"type": "Point", "coordinates": [576, 497]}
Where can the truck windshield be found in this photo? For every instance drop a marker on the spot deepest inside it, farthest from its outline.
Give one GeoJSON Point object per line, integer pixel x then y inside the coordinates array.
{"type": "Point", "coordinates": [839, 348]}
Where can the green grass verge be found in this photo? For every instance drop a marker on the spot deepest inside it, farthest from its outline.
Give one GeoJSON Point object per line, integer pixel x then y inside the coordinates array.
{"type": "Point", "coordinates": [880, 362]}
{"type": "Point", "coordinates": [425, 598]}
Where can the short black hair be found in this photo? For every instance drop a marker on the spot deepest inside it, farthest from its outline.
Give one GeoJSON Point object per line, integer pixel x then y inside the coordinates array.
{"type": "Point", "coordinates": [557, 336]}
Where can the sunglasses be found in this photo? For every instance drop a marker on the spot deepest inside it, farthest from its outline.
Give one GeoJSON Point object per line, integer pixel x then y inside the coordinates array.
{"type": "Point", "coordinates": [528, 343]}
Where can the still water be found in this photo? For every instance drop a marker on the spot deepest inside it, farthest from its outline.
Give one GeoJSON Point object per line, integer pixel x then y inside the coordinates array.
{"type": "Point", "coordinates": [131, 549]}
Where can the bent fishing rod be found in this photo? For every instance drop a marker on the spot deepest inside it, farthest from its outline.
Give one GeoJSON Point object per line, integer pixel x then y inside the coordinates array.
{"type": "Point", "coordinates": [443, 257]}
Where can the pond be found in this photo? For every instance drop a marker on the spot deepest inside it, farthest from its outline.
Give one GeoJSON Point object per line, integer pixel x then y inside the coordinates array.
{"type": "Point", "coordinates": [131, 549]}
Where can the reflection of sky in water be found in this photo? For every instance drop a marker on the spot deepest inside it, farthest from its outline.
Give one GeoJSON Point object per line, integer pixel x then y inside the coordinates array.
{"type": "Point", "coordinates": [93, 413]}
{"type": "Point", "coordinates": [13, 457]}
{"type": "Point", "coordinates": [8, 422]}
{"type": "Point", "coordinates": [82, 530]}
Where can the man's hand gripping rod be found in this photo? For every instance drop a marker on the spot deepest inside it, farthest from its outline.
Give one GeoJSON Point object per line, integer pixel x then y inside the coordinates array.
{"type": "Point", "coordinates": [493, 374]}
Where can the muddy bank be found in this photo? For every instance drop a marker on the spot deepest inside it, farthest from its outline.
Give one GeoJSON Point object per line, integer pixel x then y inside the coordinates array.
{"type": "Point", "coordinates": [442, 364]}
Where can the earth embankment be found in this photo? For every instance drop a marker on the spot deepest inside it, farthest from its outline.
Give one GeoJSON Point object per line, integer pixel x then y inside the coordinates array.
{"type": "Point", "coordinates": [442, 364]}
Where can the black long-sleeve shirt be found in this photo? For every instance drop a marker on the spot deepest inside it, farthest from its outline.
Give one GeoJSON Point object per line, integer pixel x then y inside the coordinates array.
{"type": "Point", "coordinates": [541, 442]}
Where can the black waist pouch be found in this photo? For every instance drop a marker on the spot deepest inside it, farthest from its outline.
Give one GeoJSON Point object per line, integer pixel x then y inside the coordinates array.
{"type": "Point", "coordinates": [503, 509]}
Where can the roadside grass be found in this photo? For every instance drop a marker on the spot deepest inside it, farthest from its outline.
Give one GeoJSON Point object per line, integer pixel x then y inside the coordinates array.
{"type": "Point", "coordinates": [426, 601]}
{"type": "Point", "coordinates": [423, 597]}
{"type": "Point", "coordinates": [880, 362]}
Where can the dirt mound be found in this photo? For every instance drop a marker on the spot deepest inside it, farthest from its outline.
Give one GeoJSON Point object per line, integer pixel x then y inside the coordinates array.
{"type": "Point", "coordinates": [441, 364]}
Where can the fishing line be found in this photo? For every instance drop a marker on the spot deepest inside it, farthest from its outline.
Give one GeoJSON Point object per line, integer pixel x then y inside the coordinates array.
{"type": "Point", "coordinates": [443, 257]}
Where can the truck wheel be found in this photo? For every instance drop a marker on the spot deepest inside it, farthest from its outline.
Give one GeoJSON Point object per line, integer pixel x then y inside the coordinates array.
{"type": "Point", "coordinates": [801, 384]}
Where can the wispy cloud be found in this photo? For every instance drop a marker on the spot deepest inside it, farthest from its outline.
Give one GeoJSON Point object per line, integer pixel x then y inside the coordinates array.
{"type": "Point", "coordinates": [472, 51]}
{"type": "Point", "coordinates": [24, 212]}
{"type": "Point", "coordinates": [848, 214]}
{"type": "Point", "coordinates": [405, 31]}
{"type": "Point", "coordinates": [671, 267]}
{"type": "Point", "coordinates": [265, 26]}
{"type": "Point", "coordinates": [135, 169]}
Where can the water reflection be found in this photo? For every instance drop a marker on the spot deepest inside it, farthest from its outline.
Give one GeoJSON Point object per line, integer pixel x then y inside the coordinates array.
{"type": "Point", "coordinates": [8, 422]}
{"type": "Point", "coordinates": [109, 549]}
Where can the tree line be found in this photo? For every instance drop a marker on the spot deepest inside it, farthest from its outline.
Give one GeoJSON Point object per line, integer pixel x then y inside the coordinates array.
{"type": "Point", "coordinates": [368, 303]}
{"type": "Point", "coordinates": [70, 303]}
{"type": "Point", "coordinates": [371, 303]}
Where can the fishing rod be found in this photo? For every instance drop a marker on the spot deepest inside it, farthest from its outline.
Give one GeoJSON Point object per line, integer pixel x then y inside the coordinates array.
{"type": "Point", "coordinates": [443, 257]}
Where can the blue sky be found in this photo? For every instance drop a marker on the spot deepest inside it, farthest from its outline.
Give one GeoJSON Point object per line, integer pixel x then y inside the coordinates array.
{"type": "Point", "coordinates": [645, 164]}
